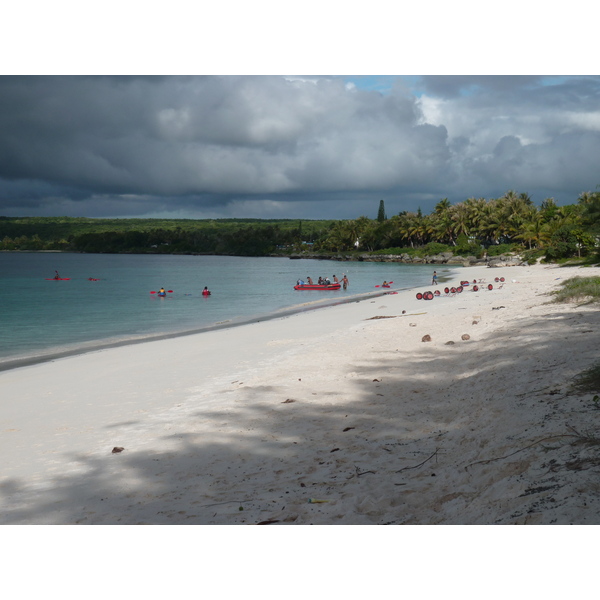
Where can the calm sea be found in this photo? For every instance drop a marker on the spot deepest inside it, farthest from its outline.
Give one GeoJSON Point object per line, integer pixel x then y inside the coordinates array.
{"type": "Point", "coordinates": [41, 318]}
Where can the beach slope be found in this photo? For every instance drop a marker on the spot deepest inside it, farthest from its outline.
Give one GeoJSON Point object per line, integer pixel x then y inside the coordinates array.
{"type": "Point", "coordinates": [341, 415]}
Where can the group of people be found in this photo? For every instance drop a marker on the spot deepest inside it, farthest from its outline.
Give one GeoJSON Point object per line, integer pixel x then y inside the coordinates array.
{"type": "Point", "coordinates": [325, 281]}
{"type": "Point", "coordinates": [162, 292]}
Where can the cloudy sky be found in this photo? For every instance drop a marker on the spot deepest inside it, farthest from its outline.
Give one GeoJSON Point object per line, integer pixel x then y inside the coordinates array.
{"type": "Point", "coordinates": [289, 146]}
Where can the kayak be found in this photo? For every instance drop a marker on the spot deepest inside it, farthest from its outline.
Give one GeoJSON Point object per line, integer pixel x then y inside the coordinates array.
{"type": "Point", "coordinates": [316, 286]}
{"type": "Point", "coordinates": [57, 279]}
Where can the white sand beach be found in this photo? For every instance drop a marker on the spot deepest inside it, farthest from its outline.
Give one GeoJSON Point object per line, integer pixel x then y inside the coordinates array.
{"type": "Point", "coordinates": [340, 415]}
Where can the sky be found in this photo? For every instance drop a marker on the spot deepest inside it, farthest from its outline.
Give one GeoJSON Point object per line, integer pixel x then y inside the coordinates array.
{"type": "Point", "coordinates": [88, 129]}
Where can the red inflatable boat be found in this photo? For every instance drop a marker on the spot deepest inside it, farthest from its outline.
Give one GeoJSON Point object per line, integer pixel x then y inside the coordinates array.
{"type": "Point", "coordinates": [316, 286]}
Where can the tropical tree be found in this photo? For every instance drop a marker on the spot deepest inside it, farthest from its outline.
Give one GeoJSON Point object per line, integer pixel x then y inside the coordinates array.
{"type": "Point", "coordinates": [442, 224]}
{"type": "Point", "coordinates": [534, 230]}
{"type": "Point", "coordinates": [490, 224]}
{"type": "Point", "coordinates": [460, 219]}
{"type": "Point", "coordinates": [381, 216]}
{"type": "Point", "coordinates": [590, 211]}
{"type": "Point", "coordinates": [548, 209]}
{"type": "Point", "coordinates": [391, 233]}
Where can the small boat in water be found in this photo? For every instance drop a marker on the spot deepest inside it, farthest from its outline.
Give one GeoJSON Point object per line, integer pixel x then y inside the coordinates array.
{"type": "Point", "coordinates": [316, 286]}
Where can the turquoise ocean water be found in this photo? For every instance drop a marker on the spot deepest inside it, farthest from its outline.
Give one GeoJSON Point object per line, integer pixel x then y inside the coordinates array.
{"type": "Point", "coordinates": [41, 319]}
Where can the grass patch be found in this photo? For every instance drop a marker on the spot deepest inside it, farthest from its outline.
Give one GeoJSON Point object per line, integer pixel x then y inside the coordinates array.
{"type": "Point", "coordinates": [577, 289]}
{"type": "Point", "coordinates": [588, 381]}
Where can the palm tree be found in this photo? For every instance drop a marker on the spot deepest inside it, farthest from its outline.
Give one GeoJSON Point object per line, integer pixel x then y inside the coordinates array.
{"type": "Point", "coordinates": [476, 210]}
{"type": "Point", "coordinates": [589, 203]}
{"type": "Point", "coordinates": [364, 230]}
{"type": "Point", "coordinates": [513, 209]}
{"type": "Point", "coordinates": [548, 209]}
{"type": "Point", "coordinates": [534, 230]}
{"type": "Point", "coordinates": [443, 206]}
{"type": "Point", "coordinates": [441, 223]}
{"type": "Point", "coordinates": [488, 225]}
{"type": "Point", "coordinates": [412, 228]}
{"type": "Point", "coordinates": [460, 218]}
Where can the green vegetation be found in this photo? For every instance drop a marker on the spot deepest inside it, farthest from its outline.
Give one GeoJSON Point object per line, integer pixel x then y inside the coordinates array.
{"type": "Point", "coordinates": [578, 289]}
{"type": "Point", "coordinates": [242, 237]}
{"type": "Point", "coordinates": [381, 216]}
{"type": "Point", "coordinates": [511, 224]}
{"type": "Point", "coordinates": [588, 381]}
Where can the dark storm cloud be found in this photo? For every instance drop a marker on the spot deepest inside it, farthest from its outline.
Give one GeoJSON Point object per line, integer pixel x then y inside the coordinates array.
{"type": "Point", "coordinates": [276, 146]}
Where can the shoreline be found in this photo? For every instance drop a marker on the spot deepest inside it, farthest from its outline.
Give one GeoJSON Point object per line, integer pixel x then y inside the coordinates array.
{"type": "Point", "coordinates": [344, 405]}
{"type": "Point", "coordinates": [103, 331]}
{"type": "Point", "coordinates": [95, 346]}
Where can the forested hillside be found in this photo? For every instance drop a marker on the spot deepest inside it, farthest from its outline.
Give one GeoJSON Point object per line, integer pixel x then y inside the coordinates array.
{"type": "Point", "coordinates": [510, 223]}
{"type": "Point", "coordinates": [246, 237]}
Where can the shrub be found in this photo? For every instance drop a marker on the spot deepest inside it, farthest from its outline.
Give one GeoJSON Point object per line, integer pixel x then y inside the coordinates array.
{"type": "Point", "coordinates": [531, 256]}
{"type": "Point", "coordinates": [499, 249]}
{"type": "Point", "coordinates": [464, 247]}
{"type": "Point", "coordinates": [579, 288]}
{"type": "Point", "coordinates": [436, 248]}
{"type": "Point", "coordinates": [396, 251]}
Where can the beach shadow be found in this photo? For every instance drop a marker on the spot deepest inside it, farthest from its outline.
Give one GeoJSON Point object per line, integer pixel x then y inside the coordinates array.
{"type": "Point", "coordinates": [386, 456]}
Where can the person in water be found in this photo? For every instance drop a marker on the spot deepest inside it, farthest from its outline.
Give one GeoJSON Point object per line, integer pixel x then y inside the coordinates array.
{"type": "Point", "coordinates": [206, 291]}
{"type": "Point", "coordinates": [345, 281]}
{"type": "Point", "coordinates": [434, 279]}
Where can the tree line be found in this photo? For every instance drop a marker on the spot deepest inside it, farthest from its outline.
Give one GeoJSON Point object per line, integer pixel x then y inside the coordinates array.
{"type": "Point", "coordinates": [478, 225]}
{"type": "Point", "coordinates": [472, 227]}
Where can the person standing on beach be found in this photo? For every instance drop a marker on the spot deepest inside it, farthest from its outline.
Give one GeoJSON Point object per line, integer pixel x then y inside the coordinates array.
{"type": "Point", "coordinates": [434, 278]}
